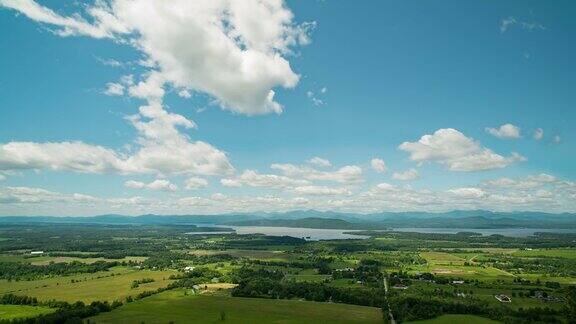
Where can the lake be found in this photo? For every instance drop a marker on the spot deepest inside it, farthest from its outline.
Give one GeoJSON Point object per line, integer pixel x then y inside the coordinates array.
{"type": "Point", "coordinates": [316, 234]}
{"type": "Point", "coordinates": [310, 234]}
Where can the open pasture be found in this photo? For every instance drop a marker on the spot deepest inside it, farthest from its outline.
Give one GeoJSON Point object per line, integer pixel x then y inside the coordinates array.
{"type": "Point", "coordinates": [104, 285]}
{"type": "Point", "coordinates": [11, 312]}
{"type": "Point", "coordinates": [175, 306]}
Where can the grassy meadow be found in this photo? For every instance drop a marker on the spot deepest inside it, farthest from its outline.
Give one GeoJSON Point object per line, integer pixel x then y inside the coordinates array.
{"type": "Point", "coordinates": [175, 306]}
{"type": "Point", "coordinates": [106, 285]}
{"type": "Point", "coordinates": [11, 312]}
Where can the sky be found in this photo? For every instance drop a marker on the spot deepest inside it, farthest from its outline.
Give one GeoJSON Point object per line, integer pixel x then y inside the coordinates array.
{"type": "Point", "coordinates": [221, 106]}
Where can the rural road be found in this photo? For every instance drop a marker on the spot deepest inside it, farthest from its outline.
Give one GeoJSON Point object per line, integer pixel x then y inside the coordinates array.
{"type": "Point", "coordinates": [392, 320]}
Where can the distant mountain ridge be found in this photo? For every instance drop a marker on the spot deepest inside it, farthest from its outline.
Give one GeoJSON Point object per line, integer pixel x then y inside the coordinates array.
{"type": "Point", "coordinates": [453, 219]}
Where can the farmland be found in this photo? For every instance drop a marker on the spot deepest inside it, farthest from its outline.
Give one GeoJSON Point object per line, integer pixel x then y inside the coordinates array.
{"type": "Point", "coordinates": [175, 306]}
{"type": "Point", "coordinates": [158, 274]}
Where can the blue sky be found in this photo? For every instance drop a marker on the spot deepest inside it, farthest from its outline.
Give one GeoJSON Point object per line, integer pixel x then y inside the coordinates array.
{"type": "Point", "coordinates": [354, 83]}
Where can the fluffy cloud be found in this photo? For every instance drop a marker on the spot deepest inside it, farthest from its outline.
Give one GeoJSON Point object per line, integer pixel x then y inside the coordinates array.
{"type": "Point", "coordinates": [456, 151]}
{"type": "Point", "coordinates": [162, 149]}
{"type": "Point", "coordinates": [408, 175]}
{"type": "Point", "coordinates": [36, 195]}
{"type": "Point", "coordinates": [378, 165]}
{"type": "Point", "coordinates": [254, 179]}
{"type": "Point", "coordinates": [346, 174]}
{"type": "Point", "coordinates": [159, 184]}
{"type": "Point", "coordinates": [320, 162]}
{"type": "Point", "coordinates": [321, 191]}
{"type": "Point", "coordinates": [195, 183]}
{"type": "Point", "coordinates": [504, 131]}
{"type": "Point", "coordinates": [232, 50]}
{"type": "Point", "coordinates": [468, 193]}
{"type": "Point", "coordinates": [528, 182]}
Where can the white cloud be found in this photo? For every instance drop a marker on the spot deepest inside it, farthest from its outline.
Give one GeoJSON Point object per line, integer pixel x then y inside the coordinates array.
{"type": "Point", "coordinates": [538, 134]}
{"type": "Point", "coordinates": [456, 151]}
{"type": "Point", "coordinates": [346, 174]}
{"type": "Point", "coordinates": [378, 165]}
{"type": "Point", "coordinates": [195, 183]}
{"type": "Point", "coordinates": [254, 179]}
{"type": "Point", "coordinates": [504, 131]}
{"type": "Point", "coordinates": [408, 175]}
{"type": "Point", "coordinates": [162, 149]}
{"type": "Point", "coordinates": [159, 184]}
{"type": "Point", "coordinates": [321, 191]}
{"type": "Point", "coordinates": [320, 162]}
{"type": "Point", "coordinates": [528, 182]}
{"type": "Point", "coordinates": [184, 94]}
{"type": "Point", "coordinates": [36, 195]}
{"type": "Point", "coordinates": [468, 193]}
{"type": "Point", "coordinates": [231, 182]}
{"type": "Point", "coordinates": [232, 50]}
{"type": "Point", "coordinates": [114, 89]}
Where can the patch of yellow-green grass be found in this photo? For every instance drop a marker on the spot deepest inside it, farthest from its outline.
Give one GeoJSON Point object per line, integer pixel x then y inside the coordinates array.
{"type": "Point", "coordinates": [442, 258]}
{"type": "Point", "coordinates": [11, 258]}
{"type": "Point", "coordinates": [468, 272]}
{"type": "Point", "coordinates": [547, 253]}
{"type": "Point", "coordinates": [89, 287]}
{"type": "Point", "coordinates": [64, 259]}
{"type": "Point", "coordinates": [457, 318]}
{"type": "Point", "coordinates": [11, 312]}
{"type": "Point", "coordinates": [179, 308]}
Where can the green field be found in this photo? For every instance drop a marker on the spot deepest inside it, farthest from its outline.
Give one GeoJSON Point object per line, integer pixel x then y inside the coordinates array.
{"type": "Point", "coordinates": [89, 287]}
{"type": "Point", "coordinates": [174, 306]}
{"type": "Point", "coordinates": [453, 318]}
{"type": "Point", "coordinates": [10, 312]}
{"type": "Point", "coordinates": [547, 253]}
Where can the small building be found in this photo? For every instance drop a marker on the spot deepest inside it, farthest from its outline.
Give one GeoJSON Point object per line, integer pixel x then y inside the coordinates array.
{"type": "Point", "coordinates": [215, 280]}
{"type": "Point", "coordinates": [503, 298]}
{"type": "Point", "coordinates": [458, 282]}
{"type": "Point", "coordinates": [36, 252]}
{"type": "Point", "coordinates": [189, 269]}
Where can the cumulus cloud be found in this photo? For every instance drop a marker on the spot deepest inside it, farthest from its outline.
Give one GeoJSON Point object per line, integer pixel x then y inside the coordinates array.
{"type": "Point", "coordinates": [159, 184]}
{"type": "Point", "coordinates": [408, 175]}
{"type": "Point", "coordinates": [378, 165]}
{"type": "Point", "coordinates": [161, 149]}
{"type": "Point", "coordinates": [254, 179]}
{"type": "Point", "coordinates": [195, 183]}
{"type": "Point", "coordinates": [320, 162]}
{"type": "Point", "coordinates": [345, 174]}
{"type": "Point", "coordinates": [234, 51]}
{"type": "Point", "coordinates": [321, 191]}
{"type": "Point", "coordinates": [457, 152]}
{"type": "Point", "coordinates": [468, 193]}
{"type": "Point", "coordinates": [504, 131]}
